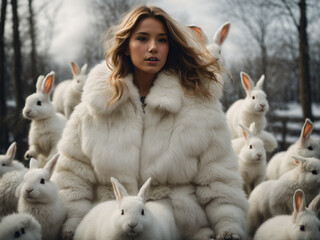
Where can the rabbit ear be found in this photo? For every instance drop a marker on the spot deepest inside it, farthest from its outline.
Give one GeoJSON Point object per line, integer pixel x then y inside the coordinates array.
{"type": "Point", "coordinates": [221, 34]}
{"type": "Point", "coordinates": [260, 82]}
{"type": "Point", "coordinates": [199, 32]}
{"type": "Point", "coordinates": [299, 202]}
{"type": "Point", "coordinates": [306, 130]}
{"type": "Point", "coordinates": [315, 205]}
{"type": "Point", "coordinates": [118, 189]}
{"type": "Point", "coordinates": [11, 152]}
{"type": "Point", "coordinates": [299, 160]}
{"type": "Point", "coordinates": [144, 190]}
{"type": "Point", "coordinates": [47, 84]}
{"type": "Point", "coordinates": [247, 83]}
{"type": "Point", "coordinates": [51, 164]}
{"type": "Point", "coordinates": [33, 163]}
{"type": "Point", "coordinates": [39, 83]}
{"type": "Point", "coordinates": [84, 69]}
{"type": "Point", "coordinates": [75, 69]}
{"type": "Point", "coordinates": [245, 132]}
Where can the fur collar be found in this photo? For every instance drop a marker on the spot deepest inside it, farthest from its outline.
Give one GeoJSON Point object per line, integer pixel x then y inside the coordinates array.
{"type": "Point", "coordinates": [166, 93]}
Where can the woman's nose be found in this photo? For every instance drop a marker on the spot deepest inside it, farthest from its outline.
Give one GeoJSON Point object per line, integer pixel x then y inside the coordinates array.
{"type": "Point", "coordinates": [153, 46]}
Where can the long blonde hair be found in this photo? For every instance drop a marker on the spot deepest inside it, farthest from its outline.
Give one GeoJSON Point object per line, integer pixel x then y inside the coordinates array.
{"type": "Point", "coordinates": [187, 61]}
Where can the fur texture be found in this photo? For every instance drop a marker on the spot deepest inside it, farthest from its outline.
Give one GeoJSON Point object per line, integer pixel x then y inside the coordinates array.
{"type": "Point", "coordinates": [67, 94]}
{"type": "Point", "coordinates": [251, 109]}
{"type": "Point", "coordinates": [306, 146]}
{"type": "Point", "coordinates": [22, 226]}
{"type": "Point", "coordinates": [46, 126]}
{"type": "Point", "coordinates": [274, 197]}
{"type": "Point", "coordinates": [39, 197]}
{"type": "Point", "coordinates": [303, 224]}
{"type": "Point", "coordinates": [179, 140]}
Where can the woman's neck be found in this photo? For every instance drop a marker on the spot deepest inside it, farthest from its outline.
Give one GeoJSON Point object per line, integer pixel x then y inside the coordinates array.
{"type": "Point", "coordinates": [144, 82]}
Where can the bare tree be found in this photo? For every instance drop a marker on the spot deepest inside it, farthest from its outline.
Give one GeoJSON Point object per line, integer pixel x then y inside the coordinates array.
{"type": "Point", "coordinates": [33, 51]}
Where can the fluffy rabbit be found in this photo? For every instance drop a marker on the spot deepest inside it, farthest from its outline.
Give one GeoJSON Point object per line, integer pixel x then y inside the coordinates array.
{"type": "Point", "coordinates": [273, 197]}
{"type": "Point", "coordinates": [303, 224]}
{"type": "Point", "coordinates": [39, 196]}
{"type": "Point", "coordinates": [11, 175]}
{"type": "Point", "coordinates": [46, 126]}
{"type": "Point", "coordinates": [252, 160]}
{"type": "Point", "coordinates": [67, 94]}
{"type": "Point", "coordinates": [251, 109]}
{"type": "Point", "coordinates": [22, 226]}
{"type": "Point", "coordinates": [218, 39]}
{"type": "Point", "coordinates": [306, 146]}
{"type": "Point", "coordinates": [128, 217]}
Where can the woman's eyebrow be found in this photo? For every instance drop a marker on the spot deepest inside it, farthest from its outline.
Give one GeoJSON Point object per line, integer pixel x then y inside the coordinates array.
{"type": "Point", "coordinates": [145, 33]}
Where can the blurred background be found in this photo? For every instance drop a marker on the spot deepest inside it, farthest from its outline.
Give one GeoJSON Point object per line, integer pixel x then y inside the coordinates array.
{"type": "Point", "coordinates": [278, 38]}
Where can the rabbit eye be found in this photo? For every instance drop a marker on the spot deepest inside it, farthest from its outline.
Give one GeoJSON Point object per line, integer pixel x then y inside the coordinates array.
{"type": "Point", "coordinates": [310, 148]}
{"type": "Point", "coordinates": [250, 146]}
{"type": "Point", "coordinates": [122, 212]}
{"type": "Point", "coordinates": [78, 81]}
{"type": "Point", "coordinates": [3, 164]}
{"type": "Point", "coordinates": [314, 172]}
{"type": "Point", "coordinates": [253, 97]}
{"type": "Point", "coordinates": [142, 212]}
{"type": "Point", "coordinates": [22, 231]}
{"type": "Point", "coordinates": [302, 228]}
{"type": "Point", "coordinates": [39, 103]}
{"type": "Point", "coordinates": [17, 234]}
{"type": "Point", "coordinates": [42, 181]}
{"type": "Point", "coordinates": [219, 52]}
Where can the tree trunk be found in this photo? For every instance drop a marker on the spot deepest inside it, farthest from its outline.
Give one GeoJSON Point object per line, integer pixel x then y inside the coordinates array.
{"type": "Point", "coordinates": [4, 133]}
{"type": "Point", "coordinates": [20, 128]}
{"type": "Point", "coordinates": [305, 91]}
{"type": "Point", "coordinates": [33, 53]}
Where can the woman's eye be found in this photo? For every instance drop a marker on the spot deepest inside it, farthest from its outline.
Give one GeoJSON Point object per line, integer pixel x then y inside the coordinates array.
{"type": "Point", "coordinates": [163, 40]}
{"type": "Point", "coordinates": [39, 103]}
{"type": "Point", "coordinates": [42, 181]}
{"type": "Point", "coordinates": [310, 148]}
{"type": "Point", "coordinates": [142, 39]}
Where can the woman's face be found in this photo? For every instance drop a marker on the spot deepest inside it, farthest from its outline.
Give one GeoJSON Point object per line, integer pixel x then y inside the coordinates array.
{"type": "Point", "coordinates": [148, 46]}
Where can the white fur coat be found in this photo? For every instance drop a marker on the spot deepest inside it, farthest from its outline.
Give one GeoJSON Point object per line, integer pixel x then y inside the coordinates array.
{"type": "Point", "coordinates": [179, 140]}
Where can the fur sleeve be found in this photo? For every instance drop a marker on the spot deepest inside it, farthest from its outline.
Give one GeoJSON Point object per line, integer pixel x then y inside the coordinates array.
{"type": "Point", "coordinates": [74, 175]}
{"type": "Point", "coordinates": [219, 184]}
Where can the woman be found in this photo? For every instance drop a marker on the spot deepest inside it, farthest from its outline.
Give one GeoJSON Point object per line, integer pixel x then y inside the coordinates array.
{"type": "Point", "coordinates": [153, 111]}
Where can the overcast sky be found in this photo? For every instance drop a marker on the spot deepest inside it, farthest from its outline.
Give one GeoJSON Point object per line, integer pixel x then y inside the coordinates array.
{"type": "Point", "coordinates": [72, 23]}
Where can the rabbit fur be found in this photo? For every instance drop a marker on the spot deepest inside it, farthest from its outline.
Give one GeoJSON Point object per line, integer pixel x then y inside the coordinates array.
{"type": "Point", "coordinates": [128, 217]}
{"type": "Point", "coordinates": [252, 160]}
{"type": "Point", "coordinates": [67, 94]}
{"type": "Point", "coordinates": [39, 196]}
{"type": "Point", "coordinates": [22, 226]}
{"type": "Point", "coordinates": [11, 175]}
{"type": "Point", "coordinates": [46, 125]}
{"type": "Point", "coordinates": [251, 109]}
{"type": "Point", "coordinates": [306, 146]}
{"type": "Point", "coordinates": [273, 197]}
{"type": "Point", "coordinates": [303, 224]}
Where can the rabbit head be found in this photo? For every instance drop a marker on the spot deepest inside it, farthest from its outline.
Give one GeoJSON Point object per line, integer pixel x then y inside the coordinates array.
{"type": "Point", "coordinates": [36, 186]}
{"type": "Point", "coordinates": [6, 161]}
{"type": "Point", "coordinates": [253, 150]}
{"type": "Point", "coordinates": [131, 217]}
{"type": "Point", "coordinates": [22, 226]}
{"type": "Point", "coordinates": [256, 100]}
{"type": "Point", "coordinates": [79, 76]}
{"type": "Point", "coordinates": [308, 146]}
{"type": "Point", "coordinates": [305, 225]}
{"type": "Point", "coordinates": [38, 105]}
{"type": "Point", "coordinates": [309, 171]}
{"type": "Point", "coordinates": [218, 39]}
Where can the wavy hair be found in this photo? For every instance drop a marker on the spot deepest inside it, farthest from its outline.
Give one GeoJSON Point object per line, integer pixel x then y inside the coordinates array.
{"type": "Point", "coordinates": [189, 60]}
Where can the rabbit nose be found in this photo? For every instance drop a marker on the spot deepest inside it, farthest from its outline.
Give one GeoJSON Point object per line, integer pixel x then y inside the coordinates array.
{"type": "Point", "coordinates": [262, 105]}
{"type": "Point", "coordinates": [29, 190]}
{"type": "Point", "coordinates": [259, 155]}
{"type": "Point", "coordinates": [132, 225]}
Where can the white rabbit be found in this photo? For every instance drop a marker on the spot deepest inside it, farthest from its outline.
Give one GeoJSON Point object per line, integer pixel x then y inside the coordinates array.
{"type": "Point", "coordinates": [39, 196]}
{"type": "Point", "coordinates": [251, 109]}
{"type": "Point", "coordinates": [21, 226]}
{"type": "Point", "coordinates": [47, 125]}
{"type": "Point", "coordinates": [128, 217]}
{"type": "Point", "coordinates": [269, 141]}
{"type": "Point", "coordinates": [218, 39]}
{"type": "Point", "coordinates": [11, 175]}
{"type": "Point", "coordinates": [306, 146]}
{"type": "Point", "coordinates": [252, 160]}
{"type": "Point", "coordinates": [67, 94]}
{"type": "Point", "coordinates": [273, 197]}
{"type": "Point", "coordinates": [303, 224]}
